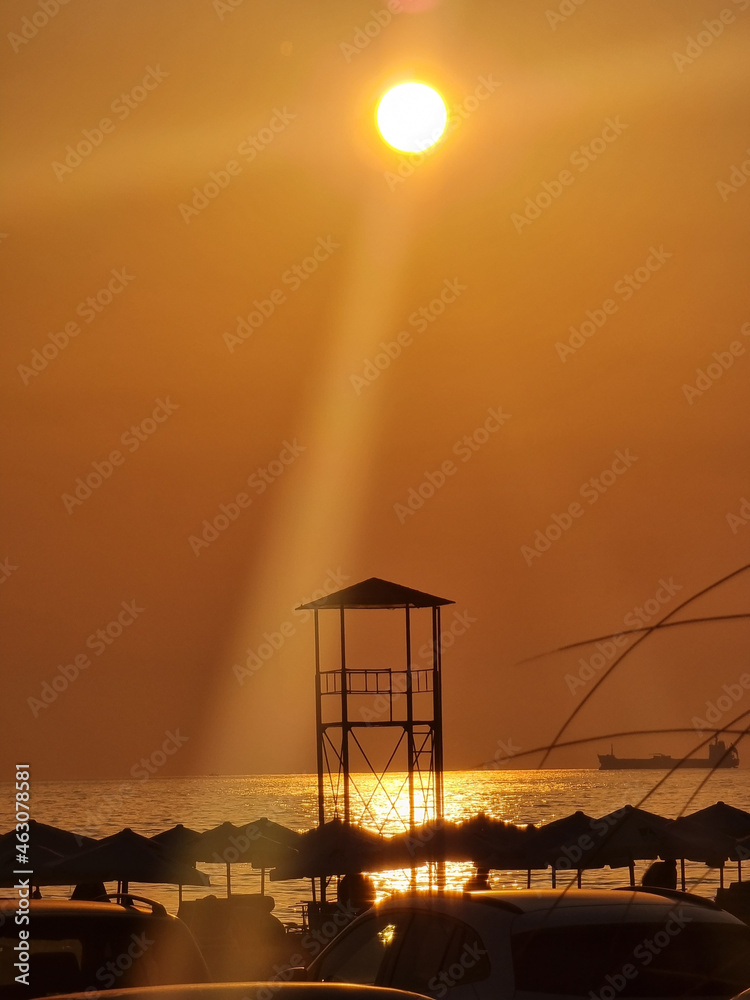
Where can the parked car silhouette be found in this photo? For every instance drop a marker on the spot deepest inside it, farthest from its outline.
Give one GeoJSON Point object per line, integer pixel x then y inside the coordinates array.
{"type": "Point", "coordinates": [594, 944]}
{"type": "Point", "coordinates": [273, 990]}
{"type": "Point", "coordinates": [77, 946]}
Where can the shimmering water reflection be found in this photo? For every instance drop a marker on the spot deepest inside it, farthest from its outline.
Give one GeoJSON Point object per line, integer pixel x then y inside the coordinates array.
{"type": "Point", "coordinates": [100, 808]}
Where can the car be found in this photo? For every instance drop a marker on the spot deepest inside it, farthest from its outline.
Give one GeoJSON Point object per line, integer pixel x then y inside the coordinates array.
{"type": "Point", "coordinates": [598, 944]}
{"type": "Point", "coordinates": [272, 990]}
{"type": "Point", "coordinates": [69, 946]}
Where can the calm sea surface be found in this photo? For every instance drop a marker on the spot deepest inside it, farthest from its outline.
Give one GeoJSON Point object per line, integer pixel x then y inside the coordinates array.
{"type": "Point", "coordinates": [99, 808]}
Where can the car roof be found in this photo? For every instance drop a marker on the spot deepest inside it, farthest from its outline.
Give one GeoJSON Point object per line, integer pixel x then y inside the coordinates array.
{"type": "Point", "coordinates": [251, 991]}
{"type": "Point", "coordinates": [82, 908]}
{"type": "Point", "coordinates": [569, 903]}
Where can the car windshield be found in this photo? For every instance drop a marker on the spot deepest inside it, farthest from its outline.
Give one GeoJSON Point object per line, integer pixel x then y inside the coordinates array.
{"type": "Point", "coordinates": [656, 959]}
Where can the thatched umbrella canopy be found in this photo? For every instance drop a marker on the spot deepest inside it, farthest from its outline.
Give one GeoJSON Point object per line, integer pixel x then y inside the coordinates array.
{"type": "Point", "coordinates": [563, 843]}
{"type": "Point", "coordinates": [53, 838]}
{"type": "Point", "coordinates": [718, 819]}
{"type": "Point", "coordinates": [36, 859]}
{"type": "Point", "coordinates": [722, 826]}
{"type": "Point", "coordinates": [336, 848]}
{"type": "Point", "coordinates": [229, 844]}
{"type": "Point", "coordinates": [124, 857]}
{"type": "Point", "coordinates": [625, 836]}
{"type": "Point", "coordinates": [179, 841]}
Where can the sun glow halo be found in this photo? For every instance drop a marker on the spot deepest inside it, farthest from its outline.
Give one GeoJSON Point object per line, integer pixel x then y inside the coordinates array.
{"type": "Point", "coordinates": [411, 117]}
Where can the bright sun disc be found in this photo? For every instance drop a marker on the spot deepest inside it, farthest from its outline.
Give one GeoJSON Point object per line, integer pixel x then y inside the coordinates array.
{"type": "Point", "coordinates": [411, 117]}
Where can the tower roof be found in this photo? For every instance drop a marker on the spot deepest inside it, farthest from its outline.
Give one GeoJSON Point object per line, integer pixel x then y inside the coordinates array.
{"type": "Point", "coordinates": [376, 593]}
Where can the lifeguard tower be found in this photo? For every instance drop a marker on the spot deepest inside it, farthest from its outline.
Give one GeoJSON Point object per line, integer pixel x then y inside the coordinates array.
{"type": "Point", "coordinates": [378, 704]}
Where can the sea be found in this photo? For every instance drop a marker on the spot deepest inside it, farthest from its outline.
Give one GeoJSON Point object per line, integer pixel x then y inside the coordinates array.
{"type": "Point", "coordinates": [100, 808]}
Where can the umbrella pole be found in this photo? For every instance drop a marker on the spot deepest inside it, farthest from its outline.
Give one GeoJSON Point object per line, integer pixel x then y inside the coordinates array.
{"type": "Point", "coordinates": [739, 870]}
{"type": "Point", "coordinates": [554, 877]}
{"type": "Point", "coordinates": [721, 876]}
{"type": "Point", "coordinates": [229, 880]}
{"type": "Point", "coordinates": [179, 893]}
{"type": "Point", "coordinates": [579, 878]}
{"type": "Point", "coordinates": [631, 866]}
{"type": "Point", "coordinates": [528, 878]}
{"type": "Point", "coordinates": [263, 881]}
{"type": "Point", "coordinates": [682, 873]}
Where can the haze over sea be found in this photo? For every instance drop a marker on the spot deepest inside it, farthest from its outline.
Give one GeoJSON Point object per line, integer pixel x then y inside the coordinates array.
{"type": "Point", "coordinates": [100, 808]}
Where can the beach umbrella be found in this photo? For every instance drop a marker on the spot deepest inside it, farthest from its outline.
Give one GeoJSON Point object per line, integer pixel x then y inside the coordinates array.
{"type": "Point", "coordinates": [563, 843]}
{"type": "Point", "coordinates": [55, 839]}
{"type": "Point", "coordinates": [493, 843]}
{"type": "Point", "coordinates": [625, 836]}
{"type": "Point", "coordinates": [336, 848]}
{"type": "Point", "coordinates": [222, 845]}
{"type": "Point", "coordinates": [719, 818]}
{"type": "Point", "coordinates": [721, 826]}
{"type": "Point", "coordinates": [275, 832]}
{"type": "Point", "coordinates": [179, 841]}
{"type": "Point", "coordinates": [271, 844]}
{"type": "Point", "coordinates": [229, 844]}
{"type": "Point", "coordinates": [11, 860]}
{"type": "Point", "coordinates": [46, 844]}
{"type": "Point", "coordinates": [697, 843]}
{"type": "Point", "coordinates": [124, 857]}
{"type": "Point", "coordinates": [429, 842]}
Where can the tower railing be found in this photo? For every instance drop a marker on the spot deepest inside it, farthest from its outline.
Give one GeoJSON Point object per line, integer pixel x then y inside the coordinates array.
{"type": "Point", "coordinates": [378, 680]}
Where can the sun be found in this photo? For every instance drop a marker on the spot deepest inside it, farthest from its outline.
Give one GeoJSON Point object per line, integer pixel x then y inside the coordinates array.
{"type": "Point", "coordinates": [411, 117]}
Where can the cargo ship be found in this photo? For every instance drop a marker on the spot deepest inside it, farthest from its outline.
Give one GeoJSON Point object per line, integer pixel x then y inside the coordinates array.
{"type": "Point", "coordinates": [719, 755]}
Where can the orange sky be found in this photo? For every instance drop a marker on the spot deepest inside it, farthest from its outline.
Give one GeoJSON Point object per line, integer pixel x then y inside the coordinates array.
{"type": "Point", "coordinates": [593, 175]}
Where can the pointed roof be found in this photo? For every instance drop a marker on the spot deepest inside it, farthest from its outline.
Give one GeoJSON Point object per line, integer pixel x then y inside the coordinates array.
{"type": "Point", "coordinates": [376, 593]}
